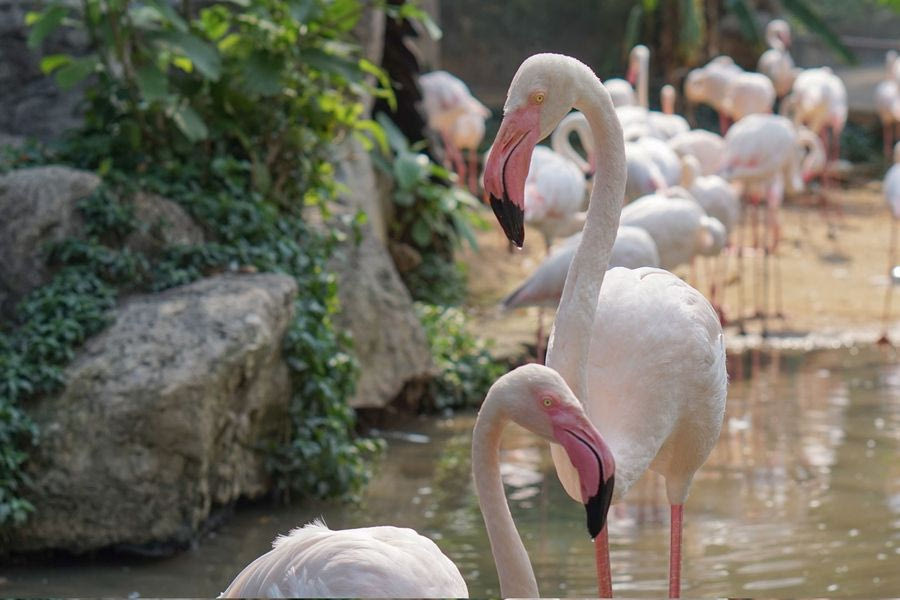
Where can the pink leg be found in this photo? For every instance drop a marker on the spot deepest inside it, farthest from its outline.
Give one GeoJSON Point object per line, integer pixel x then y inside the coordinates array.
{"type": "Point", "coordinates": [885, 317]}
{"type": "Point", "coordinates": [601, 553]}
{"type": "Point", "coordinates": [675, 551]}
{"type": "Point", "coordinates": [473, 172]}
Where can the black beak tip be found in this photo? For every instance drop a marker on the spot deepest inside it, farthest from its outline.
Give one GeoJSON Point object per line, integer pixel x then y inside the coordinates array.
{"type": "Point", "coordinates": [597, 508]}
{"type": "Point", "coordinates": [511, 219]}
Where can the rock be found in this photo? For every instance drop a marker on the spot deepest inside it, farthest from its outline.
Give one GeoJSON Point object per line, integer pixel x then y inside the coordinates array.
{"type": "Point", "coordinates": [37, 207]}
{"type": "Point", "coordinates": [377, 310]}
{"type": "Point", "coordinates": [354, 169]}
{"type": "Point", "coordinates": [161, 223]}
{"type": "Point", "coordinates": [162, 417]}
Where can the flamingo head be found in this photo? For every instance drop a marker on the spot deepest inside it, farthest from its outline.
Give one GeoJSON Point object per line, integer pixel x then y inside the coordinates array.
{"type": "Point", "coordinates": [537, 398]}
{"type": "Point", "coordinates": [540, 95]}
{"type": "Point", "coordinates": [637, 61]}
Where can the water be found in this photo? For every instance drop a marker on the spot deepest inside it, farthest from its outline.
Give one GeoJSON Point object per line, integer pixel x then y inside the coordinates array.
{"type": "Point", "coordinates": [801, 497]}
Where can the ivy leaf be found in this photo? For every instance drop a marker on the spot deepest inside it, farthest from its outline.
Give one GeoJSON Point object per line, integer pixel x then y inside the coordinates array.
{"type": "Point", "coordinates": [168, 14]}
{"type": "Point", "coordinates": [262, 73]}
{"type": "Point", "coordinates": [152, 83]}
{"type": "Point", "coordinates": [203, 56]}
{"type": "Point", "coordinates": [421, 233]}
{"type": "Point", "coordinates": [190, 123]}
{"type": "Point", "coordinates": [376, 132]}
{"type": "Point", "coordinates": [52, 62]}
{"type": "Point", "coordinates": [407, 170]}
{"type": "Point", "coordinates": [76, 70]}
{"type": "Point", "coordinates": [301, 10]}
{"type": "Point", "coordinates": [331, 64]}
{"type": "Point", "coordinates": [44, 23]}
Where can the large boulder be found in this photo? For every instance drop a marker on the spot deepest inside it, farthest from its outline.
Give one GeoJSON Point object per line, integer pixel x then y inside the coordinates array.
{"type": "Point", "coordinates": [39, 206]}
{"type": "Point", "coordinates": [162, 417]}
{"type": "Point", "coordinates": [376, 308]}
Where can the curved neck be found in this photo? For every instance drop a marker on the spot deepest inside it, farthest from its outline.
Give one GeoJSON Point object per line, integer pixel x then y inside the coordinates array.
{"type": "Point", "coordinates": [513, 566]}
{"type": "Point", "coordinates": [642, 81]}
{"type": "Point", "coordinates": [814, 161]}
{"type": "Point", "coordinates": [773, 40]}
{"type": "Point", "coordinates": [571, 334]}
{"type": "Point", "coordinates": [562, 144]}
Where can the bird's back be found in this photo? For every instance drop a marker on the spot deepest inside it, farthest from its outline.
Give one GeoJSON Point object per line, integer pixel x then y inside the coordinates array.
{"type": "Point", "coordinates": [673, 223]}
{"type": "Point", "coordinates": [372, 562]}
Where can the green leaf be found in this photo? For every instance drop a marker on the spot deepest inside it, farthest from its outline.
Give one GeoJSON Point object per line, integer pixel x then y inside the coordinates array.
{"type": "Point", "coordinates": [300, 10]}
{"type": "Point", "coordinates": [168, 14]}
{"type": "Point", "coordinates": [54, 61]}
{"type": "Point", "coordinates": [462, 228]}
{"type": "Point", "coordinates": [421, 233]}
{"type": "Point", "coordinates": [190, 123]}
{"type": "Point", "coordinates": [395, 137]}
{"type": "Point", "coordinates": [408, 170]}
{"type": "Point", "coordinates": [262, 73]}
{"type": "Point", "coordinates": [329, 63]}
{"type": "Point", "coordinates": [376, 132]}
{"type": "Point", "coordinates": [45, 23]}
{"type": "Point", "coordinates": [204, 57]}
{"type": "Point", "coordinates": [746, 19]}
{"type": "Point", "coordinates": [803, 12]}
{"type": "Point", "coordinates": [76, 70]}
{"type": "Point", "coordinates": [152, 83]}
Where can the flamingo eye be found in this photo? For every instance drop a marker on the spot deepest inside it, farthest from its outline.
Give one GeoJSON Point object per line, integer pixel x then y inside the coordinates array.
{"type": "Point", "coordinates": [548, 401]}
{"type": "Point", "coordinates": [538, 97]}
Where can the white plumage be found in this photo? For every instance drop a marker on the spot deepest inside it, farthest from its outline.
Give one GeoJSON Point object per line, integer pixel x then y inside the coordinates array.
{"type": "Point", "coordinates": [679, 227]}
{"type": "Point", "coordinates": [372, 562]}
{"type": "Point", "coordinates": [748, 93]}
{"type": "Point", "coordinates": [707, 147]}
{"type": "Point", "coordinates": [776, 63]}
{"type": "Point", "coordinates": [554, 195]}
{"type": "Point", "coordinates": [887, 100]}
{"type": "Point", "coordinates": [892, 184]}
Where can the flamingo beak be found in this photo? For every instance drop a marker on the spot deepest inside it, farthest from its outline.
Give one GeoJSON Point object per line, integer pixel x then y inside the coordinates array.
{"type": "Point", "coordinates": [631, 75]}
{"type": "Point", "coordinates": [507, 168]}
{"type": "Point", "coordinates": [595, 464]}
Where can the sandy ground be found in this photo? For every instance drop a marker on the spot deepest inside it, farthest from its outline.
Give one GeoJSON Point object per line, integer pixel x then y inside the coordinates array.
{"type": "Point", "coordinates": [834, 270]}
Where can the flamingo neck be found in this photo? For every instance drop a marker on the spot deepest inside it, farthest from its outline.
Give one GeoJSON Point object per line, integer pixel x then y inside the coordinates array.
{"type": "Point", "coordinates": [642, 81]}
{"type": "Point", "coordinates": [562, 144]}
{"type": "Point", "coordinates": [513, 565]}
{"type": "Point", "coordinates": [773, 40]}
{"type": "Point", "coordinates": [571, 335]}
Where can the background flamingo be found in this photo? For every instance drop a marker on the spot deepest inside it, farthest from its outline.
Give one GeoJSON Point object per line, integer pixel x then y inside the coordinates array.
{"type": "Point", "coordinates": [707, 147]}
{"type": "Point", "coordinates": [617, 352]}
{"type": "Point", "coordinates": [892, 196]}
{"type": "Point", "coordinates": [776, 63]}
{"type": "Point", "coordinates": [707, 85]}
{"type": "Point", "coordinates": [746, 94]}
{"type": "Point", "coordinates": [819, 102]}
{"type": "Point", "coordinates": [887, 101]}
{"type": "Point", "coordinates": [554, 195]}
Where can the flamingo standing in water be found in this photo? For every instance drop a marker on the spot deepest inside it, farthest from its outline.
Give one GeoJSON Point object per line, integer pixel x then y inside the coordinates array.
{"type": "Point", "coordinates": [390, 562]}
{"type": "Point", "coordinates": [776, 63]}
{"type": "Point", "coordinates": [887, 101]}
{"type": "Point", "coordinates": [892, 196]}
{"type": "Point", "coordinates": [615, 345]}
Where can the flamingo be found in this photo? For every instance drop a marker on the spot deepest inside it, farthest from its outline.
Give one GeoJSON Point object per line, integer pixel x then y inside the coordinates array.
{"type": "Point", "coordinates": [621, 91]}
{"type": "Point", "coordinates": [707, 85]}
{"type": "Point", "coordinates": [892, 196]}
{"type": "Point", "coordinates": [707, 147]}
{"type": "Point", "coordinates": [666, 124]}
{"type": "Point", "coordinates": [776, 63]}
{"type": "Point", "coordinates": [887, 101]}
{"type": "Point", "coordinates": [391, 562]}
{"type": "Point", "coordinates": [746, 94]}
{"type": "Point", "coordinates": [819, 101]}
{"type": "Point", "coordinates": [458, 117]}
{"type": "Point", "coordinates": [615, 344]}
{"type": "Point", "coordinates": [554, 195]}
{"type": "Point", "coordinates": [680, 228]}
{"type": "Point", "coordinates": [632, 249]}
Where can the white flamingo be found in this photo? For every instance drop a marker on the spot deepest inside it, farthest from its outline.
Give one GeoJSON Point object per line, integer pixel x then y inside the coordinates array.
{"type": "Point", "coordinates": [708, 84]}
{"type": "Point", "coordinates": [390, 562]}
{"type": "Point", "coordinates": [819, 102]}
{"type": "Point", "coordinates": [666, 124]}
{"type": "Point", "coordinates": [458, 117]}
{"type": "Point", "coordinates": [680, 228]}
{"type": "Point", "coordinates": [707, 147]}
{"type": "Point", "coordinates": [554, 195]}
{"type": "Point", "coordinates": [633, 248]}
{"type": "Point", "coordinates": [892, 197]}
{"type": "Point", "coordinates": [621, 91]}
{"type": "Point", "coordinates": [747, 94]}
{"type": "Point", "coordinates": [776, 63]}
{"type": "Point", "coordinates": [615, 344]}
{"type": "Point", "coordinates": [887, 101]}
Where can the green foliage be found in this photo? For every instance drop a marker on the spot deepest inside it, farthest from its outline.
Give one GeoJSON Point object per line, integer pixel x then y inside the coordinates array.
{"type": "Point", "coordinates": [465, 366]}
{"type": "Point", "coordinates": [232, 110]}
{"type": "Point", "coordinates": [432, 216]}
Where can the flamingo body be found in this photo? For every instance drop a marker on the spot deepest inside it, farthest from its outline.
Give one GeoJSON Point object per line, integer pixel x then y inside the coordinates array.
{"type": "Point", "coordinates": [372, 562]}
{"type": "Point", "coordinates": [707, 147]}
{"type": "Point", "coordinates": [554, 194]}
{"type": "Point", "coordinates": [748, 93]}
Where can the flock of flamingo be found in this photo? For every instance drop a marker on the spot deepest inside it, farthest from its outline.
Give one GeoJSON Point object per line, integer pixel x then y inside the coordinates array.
{"type": "Point", "coordinates": [634, 375]}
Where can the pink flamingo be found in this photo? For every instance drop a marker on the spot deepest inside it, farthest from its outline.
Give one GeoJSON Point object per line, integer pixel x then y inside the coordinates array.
{"type": "Point", "coordinates": [390, 562]}
{"type": "Point", "coordinates": [887, 101]}
{"type": "Point", "coordinates": [666, 124]}
{"type": "Point", "coordinates": [892, 196]}
{"type": "Point", "coordinates": [458, 117]}
{"type": "Point", "coordinates": [819, 102]}
{"type": "Point", "coordinates": [776, 63]}
{"type": "Point", "coordinates": [554, 195]}
{"type": "Point", "coordinates": [746, 94]}
{"type": "Point", "coordinates": [615, 344]}
{"type": "Point", "coordinates": [707, 147]}
{"type": "Point", "coordinates": [707, 85]}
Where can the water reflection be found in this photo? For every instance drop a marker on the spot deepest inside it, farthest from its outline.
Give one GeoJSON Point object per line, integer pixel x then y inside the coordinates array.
{"type": "Point", "coordinates": [801, 497]}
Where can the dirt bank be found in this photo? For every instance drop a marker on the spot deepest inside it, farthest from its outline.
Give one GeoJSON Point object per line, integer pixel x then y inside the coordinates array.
{"type": "Point", "coordinates": [834, 271]}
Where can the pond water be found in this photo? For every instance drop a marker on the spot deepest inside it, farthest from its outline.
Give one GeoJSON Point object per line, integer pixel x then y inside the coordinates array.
{"type": "Point", "coordinates": [801, 497]}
